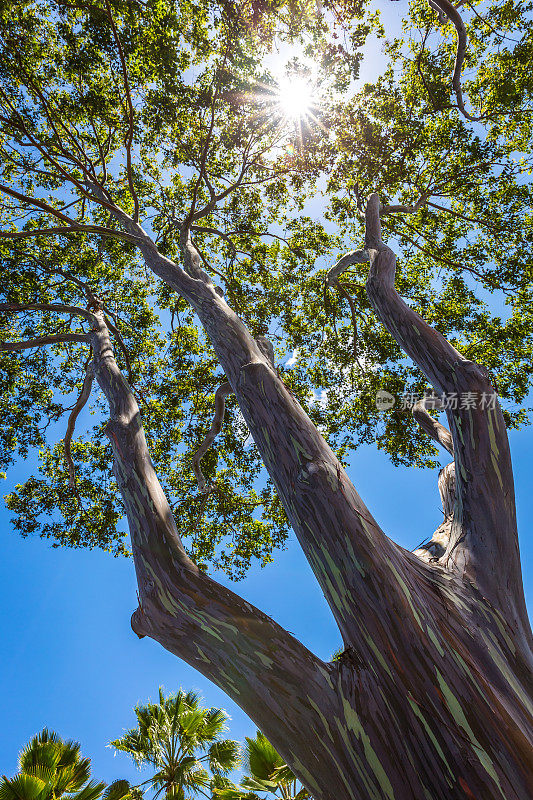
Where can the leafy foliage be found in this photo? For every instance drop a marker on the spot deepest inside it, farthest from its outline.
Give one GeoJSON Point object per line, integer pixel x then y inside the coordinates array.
{"type": "Point", "coordinates": [168, 105]}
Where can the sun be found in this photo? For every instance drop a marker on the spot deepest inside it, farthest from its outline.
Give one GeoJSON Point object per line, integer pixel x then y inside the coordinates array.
{"type": "Point", "coordinates": [295, 97]}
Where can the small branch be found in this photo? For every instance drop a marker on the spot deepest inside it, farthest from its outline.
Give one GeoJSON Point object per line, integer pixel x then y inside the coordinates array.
{"type": "Point", "coordinates": [342, 289]}
{"type": "Point", "coordinates": [453, 264]}
{"type": "Point", "coordinates": [39, 341]}
{"type": "Point", "coordinates": [455, 213]}
{"type": "Point", "coordinates": [431, 426]}
{"type": "Point", "coordinates": [446, 8]}
{"type": "Point", "coordinates": [120, 341]}
{"type": "Point", "coordinates": [224, 390]}
{"type": "Point", "coordinates": [202, 174]}
{"type": "Point", "coordinates": [216, 426]}
{"type": "Point", "coordinates": [129, 137]}
{"type": "Point", "coordinates": [215, 232]}
{"type": "Point", "coordinates": [86, 289]}
{"type": "Point", "coordinates": [73, 228]}
{"type": "Point", "coordinates": [80, 403]}
{"type": "Point", "coordinates": [58, 307]}
{"type": "Point", "coordinates": [404, 209]}
{"type": "Point", "coordinates": [344, 263]}
{"type": "Point", "coordinates": [46, 153]}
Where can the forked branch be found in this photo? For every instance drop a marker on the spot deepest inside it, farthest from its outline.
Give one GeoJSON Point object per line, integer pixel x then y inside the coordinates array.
{"type": "Point", "coordinates": [234, 644]}
{"type": "Point", "coordinates": [484, 532]}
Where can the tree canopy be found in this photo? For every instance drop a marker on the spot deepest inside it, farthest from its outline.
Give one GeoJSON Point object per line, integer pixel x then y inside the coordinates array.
{"type": "Point", "coordinates": [170, 111]}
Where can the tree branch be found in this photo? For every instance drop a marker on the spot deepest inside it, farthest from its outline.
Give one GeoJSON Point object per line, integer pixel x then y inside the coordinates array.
{"type": "Point", "coordinates": [483, 542]}
{"type": "Point", "coordinates": [71, 226]}
{"type": "Point", "coordinates": [223, 391]}
{"type": "Point", "coordinates": [449, 11]}
{"type": "Point", "coordinates": [129, 137]}
{"type": "Point", "coordinates": [73, 416]}
{"type": "Point", "coordinates": [58, 307]}
{"type": "Point", "coordinates": [405, 209]}
{"type": "Point", "coordinates": [322, 505]}
{"type": "Point", "coordinates": [261, 666]}
{"type": "Point", "coordinates": [431, 426]}
{"type": "Point", "coordinates": [216, 426]}
{"type": "Point", "coordinates": [40, 341]}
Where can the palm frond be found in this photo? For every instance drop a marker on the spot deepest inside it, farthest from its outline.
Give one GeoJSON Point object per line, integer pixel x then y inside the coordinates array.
{"type": "Point", "coordinates": [173, 736]}
{"type": "Point", "coordinates": [23, 787]}
{"type": "Point", "coordinates": [283, 775]}
{"type": "Point", "coordinates": [233, 793]}
{"type": "Point", "coordinates": [259, 785]}
{"type": "Point", "coordinates": [261, 759]}
{"type": "Point", "coordinates": [196, 779]}
{"type": "Point", "coordinates": [117, 790]}
{"type": "Point", "coordinates": [215, 724]}
{"type": "Point", "coordinates": [224, 755]}
{"type": "Point", "coordinates": [92, 791]}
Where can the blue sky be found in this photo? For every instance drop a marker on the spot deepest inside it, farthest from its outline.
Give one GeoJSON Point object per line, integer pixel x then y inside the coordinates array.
{"type": "Point", "coordinates": [71, 662]}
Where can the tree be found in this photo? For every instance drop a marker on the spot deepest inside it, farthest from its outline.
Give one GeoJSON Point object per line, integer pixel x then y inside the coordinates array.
{"type": "Point", "coordinates": [178, 738]}
{"type": "Point", "coordinates": [431, 697]}
{"type": "Point", "coordinates": [267, 771]}
{"type": "Point", "coordinates": [51, 769]}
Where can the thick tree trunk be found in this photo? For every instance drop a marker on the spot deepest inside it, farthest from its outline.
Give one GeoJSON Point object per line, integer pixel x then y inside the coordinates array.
{"type": "Point", "coordinates": [432, 697]}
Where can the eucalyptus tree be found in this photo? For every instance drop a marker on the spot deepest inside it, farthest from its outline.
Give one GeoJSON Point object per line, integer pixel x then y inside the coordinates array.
{"type": "Point", "coordinates": [146, 160]}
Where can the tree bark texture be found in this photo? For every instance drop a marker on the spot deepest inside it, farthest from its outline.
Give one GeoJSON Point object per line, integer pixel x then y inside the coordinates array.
{"type": "Point", "coordinates": [432, 696]}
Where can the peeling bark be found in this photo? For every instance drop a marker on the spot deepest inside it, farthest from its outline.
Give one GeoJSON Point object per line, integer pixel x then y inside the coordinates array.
{"type": "Point", "coordinates": [432, 696]}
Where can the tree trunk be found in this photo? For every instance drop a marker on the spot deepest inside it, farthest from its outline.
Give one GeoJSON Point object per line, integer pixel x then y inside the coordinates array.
{"type": "Point", "coordinates": [432, 696]}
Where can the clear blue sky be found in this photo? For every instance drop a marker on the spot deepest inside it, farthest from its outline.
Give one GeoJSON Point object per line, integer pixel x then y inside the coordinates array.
{"type": "Point", "coordinates": [69, 658]}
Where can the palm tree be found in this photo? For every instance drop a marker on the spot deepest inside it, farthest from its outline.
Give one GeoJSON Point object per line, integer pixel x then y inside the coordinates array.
{"type": "Point", "coordinates": [51, 769]}
{"type": "Point", "coordinates": [179, 739]}
{"type": "Point", "coordinates": [122, 789]}
{"type": "Point", "coordinates": [267, 772]}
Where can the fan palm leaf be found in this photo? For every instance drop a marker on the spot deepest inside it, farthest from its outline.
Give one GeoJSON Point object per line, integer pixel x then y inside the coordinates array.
{"type": "Point", "coordinates": [223, 755]}
{"type": "Point", "coordinates": [268, 772]}
{"type": "Point", "coordinates": [23, 787]}
{"type": "Point", "coordinates": [51, 769]}
{"type": "Point", "coordinates": [261, 759]}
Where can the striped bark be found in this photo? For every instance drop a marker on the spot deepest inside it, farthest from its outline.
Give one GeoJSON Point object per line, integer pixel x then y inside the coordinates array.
{"type": "Point", "coordinates": [432, 696]}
